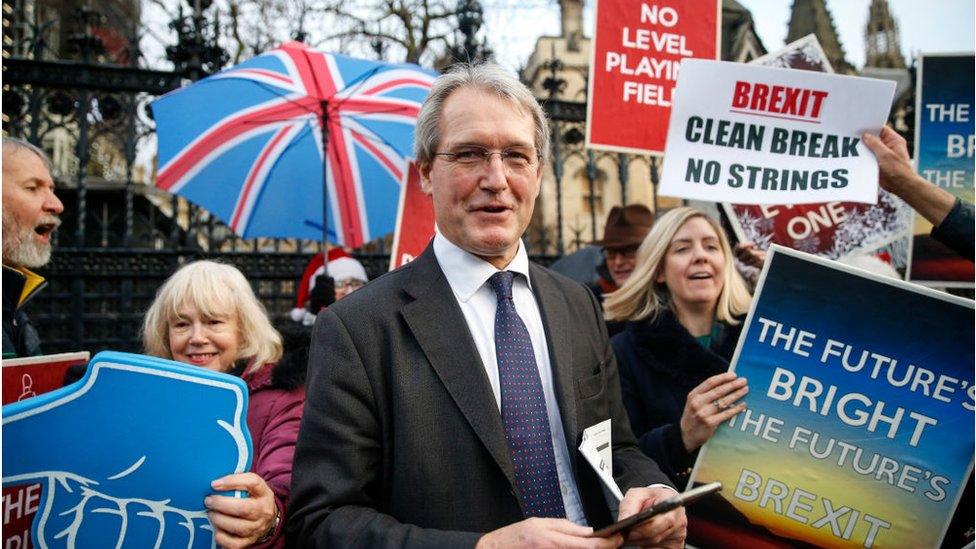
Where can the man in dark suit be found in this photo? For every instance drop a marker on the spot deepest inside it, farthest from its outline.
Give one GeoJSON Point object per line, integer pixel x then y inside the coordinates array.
{"type": "Point", "coordinates": [447, 399]}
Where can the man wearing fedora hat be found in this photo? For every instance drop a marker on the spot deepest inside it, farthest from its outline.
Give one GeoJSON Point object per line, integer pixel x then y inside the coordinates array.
{"type": "Point", "coordinates": [625, 229]}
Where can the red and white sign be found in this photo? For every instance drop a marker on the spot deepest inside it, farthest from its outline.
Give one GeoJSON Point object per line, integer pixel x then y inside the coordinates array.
{"type": "Point", "coordinates": [637, 50]}
{"type": "Point", "coordinates": [759, 135]}
{"type": "Point", "coordinates": [415, 220]}
{"type": "Point", "coordinates": [24, 378]}
{"type": "Point", "coordinates": [832, 229]}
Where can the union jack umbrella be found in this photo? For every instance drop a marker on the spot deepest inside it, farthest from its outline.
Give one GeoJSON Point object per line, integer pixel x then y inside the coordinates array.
{"type": "Point", "coordinates": [247, 143]}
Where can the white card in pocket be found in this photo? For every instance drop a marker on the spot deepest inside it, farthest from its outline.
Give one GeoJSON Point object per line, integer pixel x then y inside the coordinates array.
{"type": "Point", "coordinates": [598, 451]}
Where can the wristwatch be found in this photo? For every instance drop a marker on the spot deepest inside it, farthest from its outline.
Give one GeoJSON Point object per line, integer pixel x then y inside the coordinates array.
{"type": "Point", "coordinates": [274, 526]}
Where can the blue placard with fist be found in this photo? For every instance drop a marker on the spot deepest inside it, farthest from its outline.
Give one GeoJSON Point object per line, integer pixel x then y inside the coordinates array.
{"type": "Point", "coordinates": [126, 455]}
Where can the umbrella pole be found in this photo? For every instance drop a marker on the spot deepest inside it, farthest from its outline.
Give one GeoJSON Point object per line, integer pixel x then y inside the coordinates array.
{"type": "Point", "coordinates": [325, 184]}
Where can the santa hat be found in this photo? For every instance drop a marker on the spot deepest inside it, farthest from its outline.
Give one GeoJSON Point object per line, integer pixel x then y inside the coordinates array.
{"type": "Point", "coordinates": [346, 267]}
{"type": "Point", "coordinates": [313, 269]}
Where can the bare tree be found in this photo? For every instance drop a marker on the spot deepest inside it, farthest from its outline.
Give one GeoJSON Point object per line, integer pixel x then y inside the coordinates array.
{"type": "Point", "coordinates": [255, 26]}
{"type": "Point", "coordinates": [415, 31]}
{"type": "Point", "coordinates": [418, 31]}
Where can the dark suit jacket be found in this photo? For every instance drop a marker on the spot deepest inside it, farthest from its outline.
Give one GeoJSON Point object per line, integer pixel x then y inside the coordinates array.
{"type": "Point", "coordinates": [401, 441]}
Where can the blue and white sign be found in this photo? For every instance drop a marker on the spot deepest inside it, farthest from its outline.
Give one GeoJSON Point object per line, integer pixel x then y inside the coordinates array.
{"type": "Point", "coordinates": [944, 146]}
{"type": "Point", "coordinates": [126, 455]}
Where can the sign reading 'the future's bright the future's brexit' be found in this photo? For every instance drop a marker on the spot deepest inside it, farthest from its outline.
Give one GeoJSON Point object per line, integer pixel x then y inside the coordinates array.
{"type": "Point", "coordinates": [758, 135]}
{"type": "Point", "coordinates": [859, 426]}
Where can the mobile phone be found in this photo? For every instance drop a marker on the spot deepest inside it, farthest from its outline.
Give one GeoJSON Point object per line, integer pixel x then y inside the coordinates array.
{"type": "Point", "coordinates": [674, 502]}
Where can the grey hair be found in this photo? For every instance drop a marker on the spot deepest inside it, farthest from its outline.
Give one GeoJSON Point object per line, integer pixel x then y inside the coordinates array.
{"type": "Point", "coordinates": [12, 145]}
{"type": "Point", "coordinates": [487, 77]}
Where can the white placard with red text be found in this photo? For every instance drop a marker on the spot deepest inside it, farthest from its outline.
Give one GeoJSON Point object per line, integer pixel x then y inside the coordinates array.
{"type": "Point", "coordinates": [833, 229]}
{"type": "Point", "coordinates": [638, 47]}
{"type": "Point", "coordinates": [759, 135]}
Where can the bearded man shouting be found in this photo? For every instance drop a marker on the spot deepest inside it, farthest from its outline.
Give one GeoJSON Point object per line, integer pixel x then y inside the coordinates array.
{"type": "Point", "coordinates": [30, 217]}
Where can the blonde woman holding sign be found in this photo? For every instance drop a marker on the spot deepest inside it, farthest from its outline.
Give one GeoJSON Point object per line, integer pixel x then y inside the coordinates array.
{"type": "Point", "coordinates": [683, 306]}
{"type": "Point", "coordinates": [207, 315]}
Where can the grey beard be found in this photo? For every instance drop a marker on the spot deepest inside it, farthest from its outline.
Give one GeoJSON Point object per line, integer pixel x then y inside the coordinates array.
{"type": "Point", "coordinates": [19, 247]}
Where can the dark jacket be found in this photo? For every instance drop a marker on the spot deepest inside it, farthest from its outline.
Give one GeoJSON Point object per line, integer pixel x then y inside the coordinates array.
{"type": "Point", "coordinates": [660, 363]}
{"type": "Point", "coordinates": [19, 335]}
{"type": "Point", "coordinates": [604, 285]}
{"type": "Point", "coordinates": [956, 230]}
{"type": "Point", "coordinates": [402, 444]}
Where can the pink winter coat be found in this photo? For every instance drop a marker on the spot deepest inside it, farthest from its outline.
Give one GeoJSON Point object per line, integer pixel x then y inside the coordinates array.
{"type": "Point", "coordinates": [273, 416]}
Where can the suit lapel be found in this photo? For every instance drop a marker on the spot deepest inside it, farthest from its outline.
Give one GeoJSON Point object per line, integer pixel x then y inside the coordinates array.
{"type": "Point", "coordinates": [557, 319]}
{"type": "Point", "coordinates": [439, 326]}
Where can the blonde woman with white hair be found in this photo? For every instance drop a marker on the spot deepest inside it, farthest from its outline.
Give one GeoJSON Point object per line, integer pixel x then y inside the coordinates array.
{"type": "Point", "coordinates": [207, 315]}
{"type": "Point", "coordinates": [683, 306]}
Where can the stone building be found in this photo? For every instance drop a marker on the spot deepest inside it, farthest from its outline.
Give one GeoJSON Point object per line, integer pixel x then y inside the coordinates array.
{"type": "Point", "coordinates": [581, 185]}
{"type": "Point", "coordinates": [884, 59]}
{"type": "Point", "coordinates": [813, 17]}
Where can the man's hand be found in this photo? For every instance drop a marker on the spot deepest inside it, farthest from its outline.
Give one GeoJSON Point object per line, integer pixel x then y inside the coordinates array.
{"type": "Point", "coordinates": [710, 404]}
{"type": "Point", "coordinates": [546, 532]}
{"type": "Point", "coordinates": [239, 522]}
{"type": "Point", "coordinates": [895, 170]}
{"type": "Point", "coordinates": [665, 530]}
{"type": "Point", "coordinates": [896, 175]}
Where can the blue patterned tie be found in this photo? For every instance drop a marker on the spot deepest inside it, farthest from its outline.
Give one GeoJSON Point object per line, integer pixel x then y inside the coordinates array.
{"type": "Point", "coordinates": [524, 407]}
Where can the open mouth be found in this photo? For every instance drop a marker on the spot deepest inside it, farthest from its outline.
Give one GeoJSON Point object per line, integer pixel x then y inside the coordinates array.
{"type": "Point", "coordinates": [700, 276]}
{"type": "Point", "coordinates": [493, 209]}
{"type": "Point", "coordinates": [45, 229]}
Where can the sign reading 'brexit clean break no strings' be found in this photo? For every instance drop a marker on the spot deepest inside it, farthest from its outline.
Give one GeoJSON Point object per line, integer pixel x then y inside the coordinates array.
{"type": "Point", "coordinates": [759, 135]}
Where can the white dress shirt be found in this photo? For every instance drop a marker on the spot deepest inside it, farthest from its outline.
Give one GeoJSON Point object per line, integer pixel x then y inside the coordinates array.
{"type": "Point", "coordinates": [467, 275]}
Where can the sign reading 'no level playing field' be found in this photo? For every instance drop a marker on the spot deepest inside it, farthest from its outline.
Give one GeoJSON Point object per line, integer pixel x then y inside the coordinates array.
{"type": "Point", "coordinates": [760, 135]}
{"type": "Point", "coordinates": [637, 50]}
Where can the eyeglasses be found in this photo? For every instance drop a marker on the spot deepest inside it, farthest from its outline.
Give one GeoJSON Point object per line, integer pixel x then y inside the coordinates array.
{"type": "Point", "coordinates": [349, 284]}
{"type": "Point", "coordinates": [515, 159]}
{"type": "Point", "coordinates": [629, 252]}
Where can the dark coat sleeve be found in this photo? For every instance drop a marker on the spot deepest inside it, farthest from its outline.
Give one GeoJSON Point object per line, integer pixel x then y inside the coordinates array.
{"type": "Point", "coordinates": [957, 230]}
{"type": "Point", "coordinates": [338, 474]}
{"type": "Point", "coordinates": [660, 442]}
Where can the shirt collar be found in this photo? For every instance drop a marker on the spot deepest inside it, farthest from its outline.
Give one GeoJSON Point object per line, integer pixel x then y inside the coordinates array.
{"type": "Point", "coordinates": [466, 272]}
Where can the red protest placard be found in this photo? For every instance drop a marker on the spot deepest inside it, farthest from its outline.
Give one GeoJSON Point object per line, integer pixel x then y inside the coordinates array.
{"type": "Point", "coordinates": [832, 229]}
{"type": "Point", "coordinates": [25, 378]}
{"type": "Point", "coordinates": [415, 220]}
{"type": "Point", "coordinates": [19, 507]}
{"type": "Point", "coordinates": [31, 376]}
{"type": "Point", "coordinates": [636, 53]}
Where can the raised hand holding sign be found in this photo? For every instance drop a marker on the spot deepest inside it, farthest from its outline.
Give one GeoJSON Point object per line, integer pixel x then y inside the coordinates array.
{"type": "Point", "coordinates": [127, 455]}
